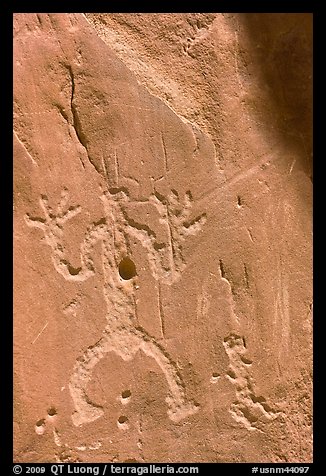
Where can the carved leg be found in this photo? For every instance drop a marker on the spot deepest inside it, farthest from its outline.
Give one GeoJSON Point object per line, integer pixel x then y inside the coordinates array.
{"type": "Point", "coordinates": [81, 376]}
{"type": "Point", "coordinates": [125, 343]}
{"type": "Point", "coordinates": [86, 411]}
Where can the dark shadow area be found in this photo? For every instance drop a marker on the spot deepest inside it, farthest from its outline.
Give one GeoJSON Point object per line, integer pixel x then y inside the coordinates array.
{"type": "Point", "coordinates": [282, 47]}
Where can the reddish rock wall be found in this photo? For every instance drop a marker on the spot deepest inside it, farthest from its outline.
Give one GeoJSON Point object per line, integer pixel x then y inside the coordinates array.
{"type": "Point", "coordinates": [162, 237]}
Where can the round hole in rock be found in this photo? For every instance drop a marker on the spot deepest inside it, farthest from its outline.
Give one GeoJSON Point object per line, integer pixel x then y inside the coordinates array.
{"type": "Point", "coordinates": [52, 411]}
{"type": "Point", "coordinates": [127, 268]}
{"type": "Point", "coordinates": [40, 427]}
{"type": "Point", "coordinates": [126, 394]}
{"type": "Point", "coordinates": [122, 419]}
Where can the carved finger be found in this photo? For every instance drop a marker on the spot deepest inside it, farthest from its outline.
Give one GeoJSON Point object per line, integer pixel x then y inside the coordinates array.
{"type": "Point", "coordinates": [192, 227]}
{"type": "Point", "coordinates": [70, 213]}
{"type": "Point", "coordinates": [188, 200]}
{"type": "Point", "coordinates": [63, 201]}
{"type": "Point", "coordinates": [174, 198]}
{"type": "Point", "coordinates": [45, 207]}
{"type": "Point", "coordinates": [35, 221]}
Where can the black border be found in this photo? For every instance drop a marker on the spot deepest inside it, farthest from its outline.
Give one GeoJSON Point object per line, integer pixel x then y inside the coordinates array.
{"type": "Point", "coordinates": [6, 190]}
{"type": "Point", "coordinates": [265, 6]}
{"type": "Point", "coordinates": [6, 175]}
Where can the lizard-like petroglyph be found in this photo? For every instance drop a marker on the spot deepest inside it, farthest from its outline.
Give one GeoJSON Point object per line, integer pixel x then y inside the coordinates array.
{"type": "Point", "coordinates": [122, 334]}
{"type": "Point", "coordinates": [249, 409]}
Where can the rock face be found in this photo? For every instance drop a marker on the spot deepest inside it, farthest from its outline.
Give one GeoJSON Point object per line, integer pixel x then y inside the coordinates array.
{"type": "Point", "coordinates": [162, 237]}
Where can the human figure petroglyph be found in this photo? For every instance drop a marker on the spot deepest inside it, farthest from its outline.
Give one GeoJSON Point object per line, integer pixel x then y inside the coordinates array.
{"type": "Point", "coordinates": [122, 334]}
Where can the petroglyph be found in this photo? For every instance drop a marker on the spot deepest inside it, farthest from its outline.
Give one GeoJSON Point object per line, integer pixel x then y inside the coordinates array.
{"type": "Point", "coordinates": [122, 334]}
{"type": "Point", "coordinates": [185, 143]}
{"type": "Point", "coordinates": [72, 307]}
{"type": "Point", "coordinates": [250, 410]}
{"type": "Point", "coordinates": [64, 453]}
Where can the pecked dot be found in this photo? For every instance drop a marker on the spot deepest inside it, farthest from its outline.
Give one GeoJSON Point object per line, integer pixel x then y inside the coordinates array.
{"type": "Point", "coordinates": [122, 419]}
{"type": "Point", "coordinates": [214, 378]}
{"type": "Point", "coordinates": [126, 394]}
{"type": "Point", "coordinates": [122, 422]}
{"type": "Point", "coordinates": [127, 269]}
{"type": "Point", "coordinates": [52, 412]}
{"type": "Point", "coordinates": [40, 427]}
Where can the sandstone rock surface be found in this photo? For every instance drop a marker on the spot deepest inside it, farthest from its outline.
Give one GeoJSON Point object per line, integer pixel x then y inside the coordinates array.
{"type": "Point", "coordinates": [162, 238]}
